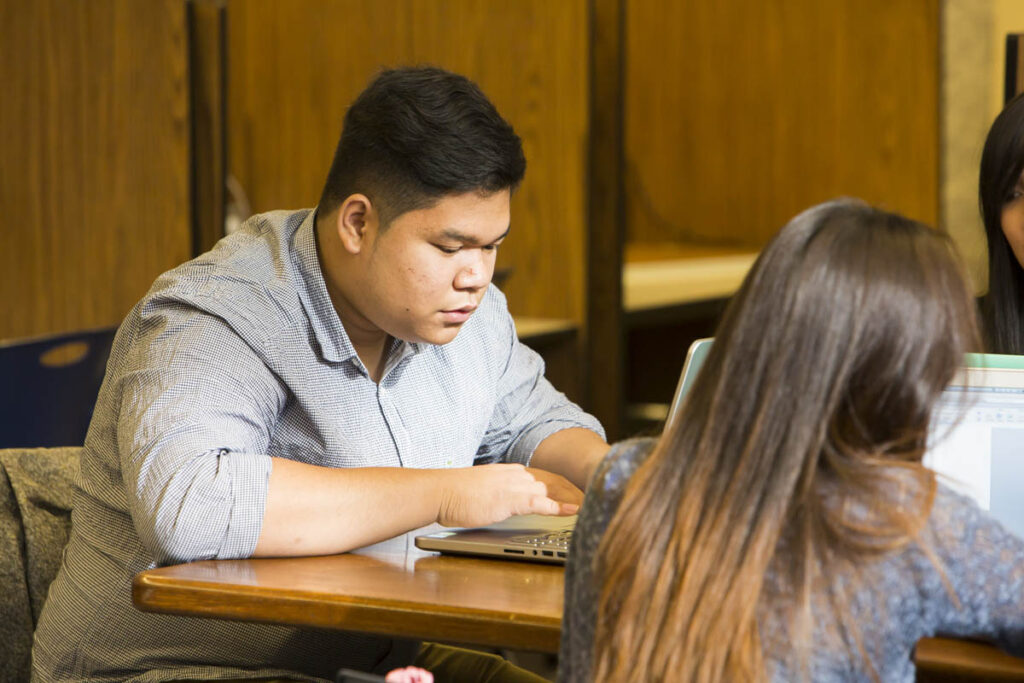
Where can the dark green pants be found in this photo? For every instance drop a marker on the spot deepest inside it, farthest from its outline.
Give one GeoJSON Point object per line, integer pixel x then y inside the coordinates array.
{"type": "Point", "coordinates": [455, 665]}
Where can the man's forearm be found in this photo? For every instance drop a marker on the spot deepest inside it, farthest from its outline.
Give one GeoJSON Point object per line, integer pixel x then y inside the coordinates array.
{"type": "Point", "coordinates": [314, 510]}
{"type": "Point", "coordinates": [573, 453]}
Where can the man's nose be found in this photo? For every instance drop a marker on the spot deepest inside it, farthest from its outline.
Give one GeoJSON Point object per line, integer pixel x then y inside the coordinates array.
{"type": "Point", "coordinates": [473, 275]}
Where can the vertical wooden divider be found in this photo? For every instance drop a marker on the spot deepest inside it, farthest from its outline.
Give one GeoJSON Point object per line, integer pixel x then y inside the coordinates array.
{"type": "Point", "coordinates": [605, 217]}
{"type": "Point", "coordinates": [208, 86]}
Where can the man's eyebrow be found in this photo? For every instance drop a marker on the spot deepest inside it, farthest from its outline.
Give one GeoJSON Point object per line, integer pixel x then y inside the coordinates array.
{"type": "Point", "coordinates": [457, 236]}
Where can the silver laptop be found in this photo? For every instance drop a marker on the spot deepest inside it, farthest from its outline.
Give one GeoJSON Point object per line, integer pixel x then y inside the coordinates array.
{"type": "Point", "coordinates": [538, 538]}
{"type": "Point", "coordinates": [694, 361]}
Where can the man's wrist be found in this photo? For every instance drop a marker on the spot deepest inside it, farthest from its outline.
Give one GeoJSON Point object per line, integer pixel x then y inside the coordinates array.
{"type": "Point", "coordinates": [573, 453]}
{"type": "Point", "coordinates": [593, 461]}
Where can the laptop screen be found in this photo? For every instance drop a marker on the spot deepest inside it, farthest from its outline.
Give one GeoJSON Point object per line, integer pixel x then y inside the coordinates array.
{"type": "Point", "coordinates": [976, 443]}
{"type": "Point", "coordinates": [977, 436]}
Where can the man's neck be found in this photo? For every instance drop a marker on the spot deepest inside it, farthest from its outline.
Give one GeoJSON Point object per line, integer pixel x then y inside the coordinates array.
{"type": "Point", "coordinates": [374, 357]}
{"type": "Point", "coordinates": [370, 343]}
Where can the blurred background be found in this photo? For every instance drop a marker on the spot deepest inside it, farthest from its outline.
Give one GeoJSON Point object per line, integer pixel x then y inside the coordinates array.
{"type": "Point", "coordinates": [667, 140]}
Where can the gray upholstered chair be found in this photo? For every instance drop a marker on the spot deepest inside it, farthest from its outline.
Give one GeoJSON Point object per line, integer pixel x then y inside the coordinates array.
{"type": "Point", "coordinates": [35, 516]}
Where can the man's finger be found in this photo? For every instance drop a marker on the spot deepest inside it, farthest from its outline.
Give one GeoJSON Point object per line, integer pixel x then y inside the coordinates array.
{"type": "Point", "coordinates": [542, 505]}
{"type": "Point", "coordinates": [566, 494]}
{"type": "Point", "coordinates": [569, 509]}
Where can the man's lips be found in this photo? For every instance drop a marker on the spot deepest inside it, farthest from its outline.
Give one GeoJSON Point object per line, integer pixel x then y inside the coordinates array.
{"type": "Point", "coordinates": [458, 315]}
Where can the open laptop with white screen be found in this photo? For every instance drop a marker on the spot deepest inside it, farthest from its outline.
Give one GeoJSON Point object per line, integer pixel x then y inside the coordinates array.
{"type": "Point", "coordinates": [977, 437]}
{"type": "Point", "coordinates": [976, 441]}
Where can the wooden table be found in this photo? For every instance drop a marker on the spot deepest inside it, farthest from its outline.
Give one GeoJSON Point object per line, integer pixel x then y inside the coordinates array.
{"type": "Point", "coordinates": [394, 588]}
{"type": "Point", "coordinates": [391, 588]}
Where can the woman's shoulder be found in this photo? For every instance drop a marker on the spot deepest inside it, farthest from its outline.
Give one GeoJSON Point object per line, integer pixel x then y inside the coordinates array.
{"type": "Point", "coordinates": [622, 460]}
{"type": "Point", "coordinates": [955, 512]}
{"type": "Point", "coordinates": [604, 494]}
{"type": "Point", "coordinates": [959, 526]}
{"type": "Point", "coordinates": [980, 559]}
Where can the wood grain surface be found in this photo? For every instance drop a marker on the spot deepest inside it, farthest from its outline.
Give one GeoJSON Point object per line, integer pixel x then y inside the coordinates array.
{"type": "Point", "coordinates": [392, 588]}
{"type": "Point", "coordinates": [740, 114]}
{"type": "Point", "coordinates": [94, 159]}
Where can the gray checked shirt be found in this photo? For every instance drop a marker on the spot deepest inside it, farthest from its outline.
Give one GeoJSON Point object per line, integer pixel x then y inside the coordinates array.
{"type": "Point", "coordinates": [230, 359]}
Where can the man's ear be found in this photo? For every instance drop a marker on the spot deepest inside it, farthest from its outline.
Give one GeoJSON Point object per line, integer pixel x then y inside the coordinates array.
{"type": "Point", "coordinates": [356, 222]}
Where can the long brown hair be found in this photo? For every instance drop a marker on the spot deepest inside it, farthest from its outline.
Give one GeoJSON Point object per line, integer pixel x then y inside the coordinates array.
{"type": "Point", "coordinates": [798, 448]}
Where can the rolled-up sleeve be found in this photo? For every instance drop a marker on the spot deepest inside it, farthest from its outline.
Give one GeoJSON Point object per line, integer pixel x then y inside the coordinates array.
{"type": "Point", "coordinates": [529, 409]}
{"type": "Point", "coordinates": [193, 429]}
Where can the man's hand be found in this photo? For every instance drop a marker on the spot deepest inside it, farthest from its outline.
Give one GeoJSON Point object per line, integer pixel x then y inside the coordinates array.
{"type": "Point", "coordinates": [485, 494]}
{"type": "Point", "coordinates": [558, 487]}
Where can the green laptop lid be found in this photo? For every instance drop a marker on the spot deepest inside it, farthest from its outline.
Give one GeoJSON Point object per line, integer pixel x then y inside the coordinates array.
{"type": "Point", "coordinates": [995, 361]}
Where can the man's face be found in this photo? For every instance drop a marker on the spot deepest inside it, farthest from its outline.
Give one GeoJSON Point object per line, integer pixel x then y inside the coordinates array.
{"type": "Point", "coordinates": [429, 269]}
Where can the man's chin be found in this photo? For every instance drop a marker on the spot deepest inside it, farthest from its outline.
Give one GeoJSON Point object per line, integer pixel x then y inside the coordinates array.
{"type": "Point", "coordinates": [446, 335]}
{"type": "Point", "coordinates": [438, 336]}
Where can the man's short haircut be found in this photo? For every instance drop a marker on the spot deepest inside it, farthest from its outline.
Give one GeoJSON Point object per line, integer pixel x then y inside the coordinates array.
{"type": "Point", "coordinates": [417, 134]}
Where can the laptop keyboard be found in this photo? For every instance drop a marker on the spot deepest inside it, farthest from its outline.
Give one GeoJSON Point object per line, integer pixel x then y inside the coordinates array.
{"type": "Point", "coordinates": [557, 541]}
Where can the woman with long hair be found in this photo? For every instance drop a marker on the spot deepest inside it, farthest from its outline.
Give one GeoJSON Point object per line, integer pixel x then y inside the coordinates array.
{"type": "Point", "coordinates": [1001, 195]}
{"type": "Point", "coordinates": [783, 526]}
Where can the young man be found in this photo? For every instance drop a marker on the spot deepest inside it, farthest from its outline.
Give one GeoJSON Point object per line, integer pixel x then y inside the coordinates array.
{"type": "Point", "coordinates": [319, 381]}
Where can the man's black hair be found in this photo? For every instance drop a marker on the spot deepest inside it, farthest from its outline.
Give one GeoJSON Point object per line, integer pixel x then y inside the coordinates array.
{"type": "Point", "coordinates": [417, 134]}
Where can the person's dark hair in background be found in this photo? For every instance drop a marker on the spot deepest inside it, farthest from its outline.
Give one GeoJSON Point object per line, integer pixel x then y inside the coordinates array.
{"type": "Point", "coordinates": [1002, 162]}
{"type": "Point", "coordinates": [417, 134]}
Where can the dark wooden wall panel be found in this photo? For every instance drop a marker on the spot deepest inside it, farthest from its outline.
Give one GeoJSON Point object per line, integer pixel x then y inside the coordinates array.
{"type": "Point", "coordinates": [294, 66]}
{"type": "Point", "coordinates": [207, 28]}
{"type": "Point", "coordinates": [93, 158]}
{"type": "Point", "coordinates": [604, 331]}
{"type": "Point", "coordinates": [739, 114]}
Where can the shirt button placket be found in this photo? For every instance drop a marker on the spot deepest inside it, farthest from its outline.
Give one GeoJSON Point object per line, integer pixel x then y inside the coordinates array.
{"type": "Point", "coordinates": [403, 446]}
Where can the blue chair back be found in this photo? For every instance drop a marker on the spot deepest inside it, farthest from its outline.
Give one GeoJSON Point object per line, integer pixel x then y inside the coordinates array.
{"type": "Point", "coordinates": [48, 387]}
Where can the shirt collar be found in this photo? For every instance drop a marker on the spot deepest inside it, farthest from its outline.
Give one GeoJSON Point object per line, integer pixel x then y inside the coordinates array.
{"type": "Point", "coordinates": [335, 345]}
